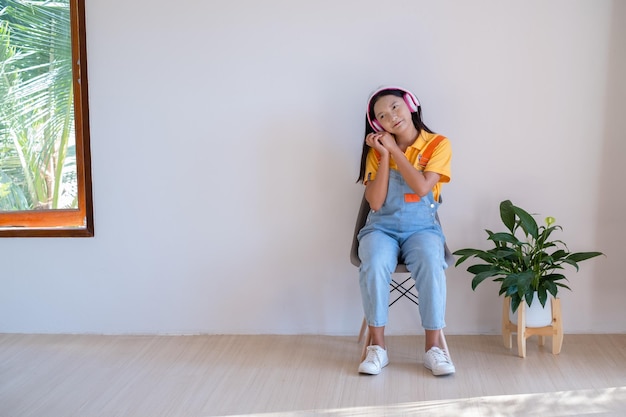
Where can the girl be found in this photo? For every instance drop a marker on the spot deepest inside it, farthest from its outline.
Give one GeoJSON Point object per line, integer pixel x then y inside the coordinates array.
{"type": "Point", "coordinates": [403, 188]}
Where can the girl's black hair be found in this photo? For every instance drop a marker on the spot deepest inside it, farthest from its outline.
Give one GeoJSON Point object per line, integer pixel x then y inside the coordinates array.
{"type": "Point", "coordinates": [416, 117]}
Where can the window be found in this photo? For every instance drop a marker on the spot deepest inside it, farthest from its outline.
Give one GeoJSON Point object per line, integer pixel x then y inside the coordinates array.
{"type": "Point", "coordinates": [45, 170]}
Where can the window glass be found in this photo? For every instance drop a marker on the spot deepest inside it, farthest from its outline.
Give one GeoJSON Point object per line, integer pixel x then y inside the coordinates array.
{"type": "Point", "coordinates": [44, 152]}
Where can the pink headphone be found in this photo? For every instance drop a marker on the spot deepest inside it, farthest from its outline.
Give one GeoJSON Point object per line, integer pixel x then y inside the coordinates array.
{"type": "Point", "coordinates": [409, 98]}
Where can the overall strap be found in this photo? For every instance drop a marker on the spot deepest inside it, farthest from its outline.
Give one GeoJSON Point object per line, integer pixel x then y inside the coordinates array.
{"type": "Point", "coordinates": [423, 160]}
{"type": "Point", "coordinates": [428, 151]}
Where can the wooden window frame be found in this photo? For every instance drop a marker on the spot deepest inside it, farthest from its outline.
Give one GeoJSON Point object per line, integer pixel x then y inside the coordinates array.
{"type": "Point", "coordinates": [66, 222]}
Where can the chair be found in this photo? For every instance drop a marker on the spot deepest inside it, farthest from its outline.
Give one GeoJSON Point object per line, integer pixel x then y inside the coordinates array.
{"type": "Point", "coordinates": [402, 286]}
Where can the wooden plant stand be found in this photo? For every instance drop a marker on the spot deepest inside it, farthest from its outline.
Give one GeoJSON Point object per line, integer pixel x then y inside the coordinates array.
{"type": "Point", "coordinates": [555, 329]}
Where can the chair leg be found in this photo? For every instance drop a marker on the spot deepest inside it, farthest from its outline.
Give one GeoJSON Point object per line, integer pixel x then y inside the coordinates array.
{"type": "Point", "coordinates": [362, 332]}
{"type": "Point", "coordinates": [366, 343]}
{"type": "Point", "coordinates": [366, 336]}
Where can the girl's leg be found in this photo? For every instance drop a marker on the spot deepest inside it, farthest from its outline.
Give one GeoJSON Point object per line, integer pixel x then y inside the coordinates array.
{"type": "Point", "coordinates": [424, 256]}
{"type": "Point", "coordinates": [433, 338]}
{"type": "Point", "coordinates": [378, 336]}
{"type": "Point", "coordinates": [379, 256]}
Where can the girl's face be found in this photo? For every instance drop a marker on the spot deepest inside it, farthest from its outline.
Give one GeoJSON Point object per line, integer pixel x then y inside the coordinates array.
{"type": "Point", "coordinates": [393, 114]}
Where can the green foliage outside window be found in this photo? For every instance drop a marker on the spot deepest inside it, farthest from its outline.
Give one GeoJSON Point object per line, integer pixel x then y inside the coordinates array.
{"type": "Point", "coordinates": [37, 139]}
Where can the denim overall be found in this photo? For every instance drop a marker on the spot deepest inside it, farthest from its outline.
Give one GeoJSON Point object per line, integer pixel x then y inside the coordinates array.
{"type": "Point", "coordinates": [406, 230]}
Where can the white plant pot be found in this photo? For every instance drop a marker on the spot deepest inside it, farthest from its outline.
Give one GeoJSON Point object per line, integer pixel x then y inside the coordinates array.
{"type": "Point", "coordinates": [536, 315]}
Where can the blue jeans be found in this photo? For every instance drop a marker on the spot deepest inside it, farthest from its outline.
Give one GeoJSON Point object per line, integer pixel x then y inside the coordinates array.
{"type": "Point", "coordinates": [403, 230]}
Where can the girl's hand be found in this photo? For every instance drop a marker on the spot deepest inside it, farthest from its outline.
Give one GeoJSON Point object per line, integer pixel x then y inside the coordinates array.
{"type": "Point", "coordinates": [388, 141]}
{"type": "Point", "coordinates": [375, 140]}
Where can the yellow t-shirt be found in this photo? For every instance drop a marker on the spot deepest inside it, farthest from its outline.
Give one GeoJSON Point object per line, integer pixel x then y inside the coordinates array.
{"type": "Point", "coordinates": [439, 161]}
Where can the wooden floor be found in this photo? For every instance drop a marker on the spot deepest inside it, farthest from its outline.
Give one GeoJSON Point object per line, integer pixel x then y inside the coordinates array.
{"type": "Point", "coordinates": [195, 376]}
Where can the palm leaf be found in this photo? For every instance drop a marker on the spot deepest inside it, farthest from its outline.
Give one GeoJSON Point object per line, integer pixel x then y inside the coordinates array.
{"type": "Point", "coordinates": [36, 123]}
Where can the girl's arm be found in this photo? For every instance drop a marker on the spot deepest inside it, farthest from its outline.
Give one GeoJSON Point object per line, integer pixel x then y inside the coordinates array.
{"type": "Point", "coordinates": [376, 189]}
{"type": "Point", "coordinates": [420, 182]}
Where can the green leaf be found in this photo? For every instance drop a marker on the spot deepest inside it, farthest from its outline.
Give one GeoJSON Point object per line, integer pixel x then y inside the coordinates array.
{"type": "Point", "coordinates": [521, 279]}
{"type": "Point", "coordinates": [461, 260]}
{"type": "Point", "coordinates": [528, 223]}
{"type": "Point", "coordinates": [581, 256]}
{"type": "Point", "coordinates": [506, 255]}
{"type": "Point", "coordinates": [542, 294]}
{"type": "Point", "coordinates": [557, 255]}
{"type": "Point", "coordinates": [507, 214]}
{"type": "Point", "coordinates": [481, 277]}
{"type": "Point", "coordinates": [470, 253]}
{"type": "Point", "coordinates": [476, 269]}
{"type": "Point", "coordinates": [551, 287]}
{"type": "Point", "coordinates": [467, 252]}
{"type": "Point", "coordinates": [570, 262]}
{"type": "Point", "coordinates": [549, 231]}
{"type": "Point", "coordinates": [505, 237]}
{"type": "Point", "coordinates": [553, 277]}
{"type": "Point", "coordinates": [509, 291]}
{"type": "Point", "coordinates": [528, 296]}
{"type": "Point", "coordinates": [515, 302]}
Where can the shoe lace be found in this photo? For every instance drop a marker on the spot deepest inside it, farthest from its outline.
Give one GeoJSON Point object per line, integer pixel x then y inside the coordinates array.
{"type": "Point", "coordinates": [372, 355]}
{"type": "Point", "coordinates": [440, 355]}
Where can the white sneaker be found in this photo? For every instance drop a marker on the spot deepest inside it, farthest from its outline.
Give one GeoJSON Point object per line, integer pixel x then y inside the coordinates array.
{"type": "Point", "coordinates": [438, 362]}
{"type": "Point", "coordinates": [375, 360]}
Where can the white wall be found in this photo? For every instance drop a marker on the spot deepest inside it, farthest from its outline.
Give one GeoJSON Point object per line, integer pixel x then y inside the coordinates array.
{"type": "Point", "coordinates": [226, 138]}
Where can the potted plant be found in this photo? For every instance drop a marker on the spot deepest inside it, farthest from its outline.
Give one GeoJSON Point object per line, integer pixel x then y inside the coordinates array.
{"type": "Point", "coordinates": [524, 259]}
